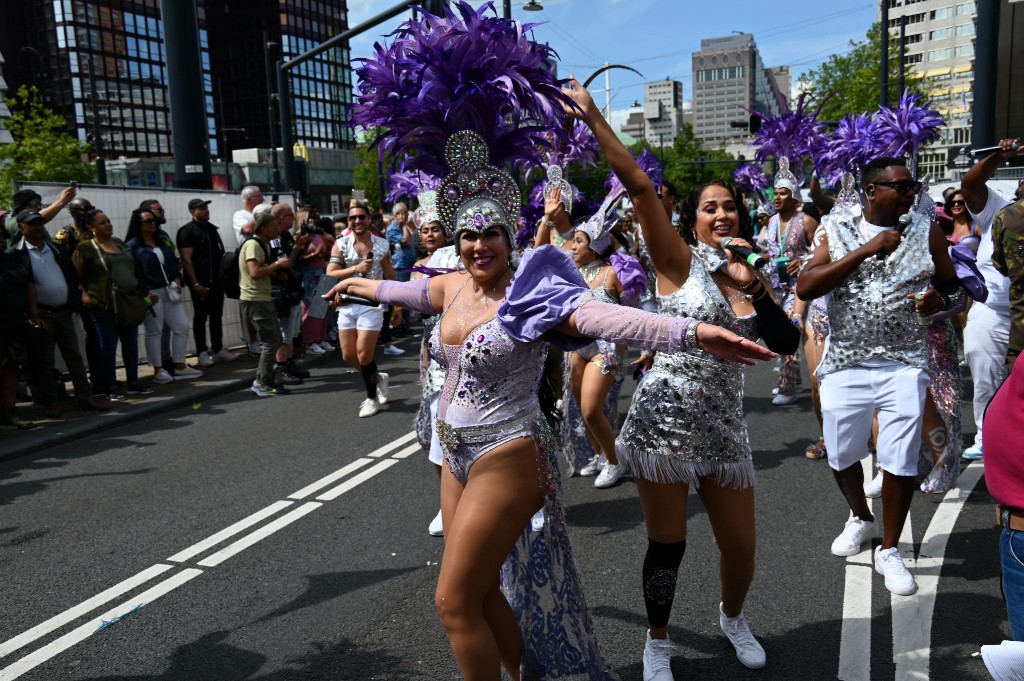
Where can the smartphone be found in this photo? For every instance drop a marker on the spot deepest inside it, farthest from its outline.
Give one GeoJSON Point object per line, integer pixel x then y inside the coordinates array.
{"type": "Point", "coordinates": [73, 184]}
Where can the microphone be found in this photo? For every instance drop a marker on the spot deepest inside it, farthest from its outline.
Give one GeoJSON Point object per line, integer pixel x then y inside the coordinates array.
{"type": "Point", "coordinates": [991, 150]}
{"type": "Point", "coordinates": [747, 255]}
{"type": "Point", "coordinates": [901, 226]}
{"type": "Point", "coordinates": [357, 300]}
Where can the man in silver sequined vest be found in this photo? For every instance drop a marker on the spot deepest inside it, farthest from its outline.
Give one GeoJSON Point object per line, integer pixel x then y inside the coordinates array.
{"type": "Point", "coordinates": [878, 264]}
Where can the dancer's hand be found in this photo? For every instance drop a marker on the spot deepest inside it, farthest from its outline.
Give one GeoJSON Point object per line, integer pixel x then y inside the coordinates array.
{"type": "Point", "coordinates": [578, 94]}
{"type": "Point", "coordinates": [930, 303]}
{"type": "Point", "coordinates": [739, 269]}
{"type": "Point", "coordinates": [727, 345]}
{"type": "Point", "coordinates": [553, 204]}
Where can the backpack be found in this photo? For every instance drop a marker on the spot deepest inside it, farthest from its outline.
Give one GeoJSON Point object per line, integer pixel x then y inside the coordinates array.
{"type": "Point", "coordinates": [230, 272]}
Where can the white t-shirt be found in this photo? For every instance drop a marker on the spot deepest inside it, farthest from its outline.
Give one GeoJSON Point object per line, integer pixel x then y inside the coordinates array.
{"type": "Point", "coordinates": [240, 219]}
{"type": "Point", "coordinates": [998, 285]}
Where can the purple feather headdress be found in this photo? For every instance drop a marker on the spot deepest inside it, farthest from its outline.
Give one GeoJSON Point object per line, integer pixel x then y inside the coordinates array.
{"type": "Point", "coordinates": [750, 178]}
{"type": "Point", "coordinates": [902, 129]}
{"type": "Point", "coordinates": [854, 143]}
{"type": "Point", "coordinates": [405, 184]}
{"type": "Point", "coordinates": [461, 71]}
{"type": "Point", "coordinates": [648, 163]}
{"type": "Point", "coordinates": [793, 134]}
{"type": "Point", "coordinates": [580, 146]}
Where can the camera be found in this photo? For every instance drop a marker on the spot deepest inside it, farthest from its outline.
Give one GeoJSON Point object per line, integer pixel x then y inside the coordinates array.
{"type": "Point", "coordinates": [310, 228]}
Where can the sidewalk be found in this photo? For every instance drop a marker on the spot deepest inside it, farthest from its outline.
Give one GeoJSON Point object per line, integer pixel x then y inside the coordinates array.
{"type": "Point", "coordinates": [219, 379]}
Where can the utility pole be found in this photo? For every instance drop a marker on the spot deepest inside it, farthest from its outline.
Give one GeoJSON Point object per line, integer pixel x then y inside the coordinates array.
{"type": "Point", "coordinates": [903, 45]}
{"type": "Point", "coordinates": [883, 83]}
{"type": "Point", "coordinates": [983, 132]}
{"type": "Point", "coordinates": [275, 173]}
{"type": "Point", "coordinates": [97, 137]}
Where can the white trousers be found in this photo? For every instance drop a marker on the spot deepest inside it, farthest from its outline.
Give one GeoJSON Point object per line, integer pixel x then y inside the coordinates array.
{"type": "Point", "coordinates": [986, 338]}
{"type": "Point", "coordinates": [173, 316]}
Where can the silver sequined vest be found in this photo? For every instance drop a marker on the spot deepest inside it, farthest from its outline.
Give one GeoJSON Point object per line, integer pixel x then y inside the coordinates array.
{"type": "Point", "coordinates": [870, 313]}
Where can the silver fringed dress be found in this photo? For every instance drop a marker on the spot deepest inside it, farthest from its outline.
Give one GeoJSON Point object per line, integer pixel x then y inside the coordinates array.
{"type": "Point", "coordinates": [686, 421]}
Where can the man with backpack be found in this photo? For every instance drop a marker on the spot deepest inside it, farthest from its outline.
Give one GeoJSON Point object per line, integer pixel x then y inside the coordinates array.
{"type": "Point", "coordinates": [202, 250]}
{"type": "Point", "coordinates": [255, 269]}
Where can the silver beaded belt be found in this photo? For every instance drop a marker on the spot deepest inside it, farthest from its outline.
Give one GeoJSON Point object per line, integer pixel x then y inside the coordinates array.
{"type": "Point", "coordinates": [452, 438]}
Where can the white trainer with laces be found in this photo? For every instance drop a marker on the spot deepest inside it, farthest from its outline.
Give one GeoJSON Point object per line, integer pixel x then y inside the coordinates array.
{"type": "Point", "coordinates": [854, 534]}
{"type": "Point", "coordinates": [393, 350]}
{"type": "Point", "coordinates": [315, 349]}
{"type": "Point", "coordinates": [593, 466]}
{"type": "Point", "coordinates": [161, 375]}
{"type": "Point", "coordinates": [782, 400]}
{"type": "Point", "coordinates": [226, 355]}
{"type": "Point", "coordinates": [658, 659]}
{"type": "Point", "coordinates": [889, 564]}
{"type": "Point", "coordinates": [369, 407]}
{"type": "Point", "coordinates": [187, 373]}
{"type": "Point", "coordinates": [436, 528]}
{"type": "Point", "coordinates": [205, 360]}
{"type": "Point", "coordinates": [382, 388]}
{"type": "Point", "coordinates": [610, 474]}
{"type": "Point", "coordinates": [873, 489]}
{"type": "Point", "coordinates": [748, 651]}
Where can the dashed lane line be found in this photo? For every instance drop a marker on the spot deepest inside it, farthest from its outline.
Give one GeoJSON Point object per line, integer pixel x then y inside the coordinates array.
{"type": "Point", "coordinates": [855, 640]}
{"type": "Point", "coordinates": [230, 531]}
{"type": "Point", "coordinates": [259, 535]}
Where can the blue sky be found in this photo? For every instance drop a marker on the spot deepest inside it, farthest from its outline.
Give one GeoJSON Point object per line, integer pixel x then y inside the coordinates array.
{"type": "Point", "coordinates": [657, 37]}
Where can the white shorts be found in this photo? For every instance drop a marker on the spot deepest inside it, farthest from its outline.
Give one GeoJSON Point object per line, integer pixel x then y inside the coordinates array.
{"type": "Point", "coordinates": [849, 398]}
{"type": "Point", "coordinates": [361, 317]}
{"type": "Point", "coordinates": [436, 454]}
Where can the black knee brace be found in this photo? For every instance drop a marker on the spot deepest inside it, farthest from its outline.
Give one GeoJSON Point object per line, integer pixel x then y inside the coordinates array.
{"type": "Point", "coordinates": [661, 567]}
{"type": "Point", "coordinates": [370, 379]}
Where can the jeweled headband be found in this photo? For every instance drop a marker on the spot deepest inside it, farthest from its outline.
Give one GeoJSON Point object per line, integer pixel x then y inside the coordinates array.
{"type": "Point", "coordinates": [475, 195]}
{"type": "Point", "coordinates": [427, 210]}
{"type": "Point", "coordinates": [785, 179]}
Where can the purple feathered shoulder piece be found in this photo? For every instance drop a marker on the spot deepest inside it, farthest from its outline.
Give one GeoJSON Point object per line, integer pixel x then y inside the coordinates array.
{"type": "Point", "coordinates": [464, 70]}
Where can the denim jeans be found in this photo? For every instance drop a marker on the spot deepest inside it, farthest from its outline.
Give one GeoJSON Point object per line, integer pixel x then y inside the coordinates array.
{"type": "Point", "coordinates": [1011, 552]}
{"type": "Point", "coordinates": [103, 354]}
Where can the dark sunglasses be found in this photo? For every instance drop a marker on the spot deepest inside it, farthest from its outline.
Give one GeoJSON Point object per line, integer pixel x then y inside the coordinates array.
{"type": "Point", "coordinates": [958, 202]}
{"type": "Point", "coordinates": [147, 222]}
{"type": "Point", "coordinates": [902, 188]}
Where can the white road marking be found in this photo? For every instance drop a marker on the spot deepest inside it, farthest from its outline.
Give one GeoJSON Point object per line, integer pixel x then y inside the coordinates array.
{"type": "Point", "coordinates": [231, 531]}
{"type": "Point", "coordinates": [57, 621]}
{"type": "Point", "coordinates": [83, 632]}
{"type": "Point", "coordinates": [407, 452]}
{"type": "Point", "coordinates": [356, 480]}
{"type": "Point", "coordinates": [855, 641]}
{"type": "Point", "coordinates": [377, 453]}
{"type": "Point", "coordinates": [262, 533]}
{"type": "Point", "coordinates": [912, 616]}
{"type": "Point", "coordinates": [329, 479]}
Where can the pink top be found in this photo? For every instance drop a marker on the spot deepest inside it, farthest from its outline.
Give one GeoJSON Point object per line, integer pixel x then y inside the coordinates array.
{"type": "Point", "coordinates": [1004, 457]}
{"type": "Point", "coordinates": [320, 262]}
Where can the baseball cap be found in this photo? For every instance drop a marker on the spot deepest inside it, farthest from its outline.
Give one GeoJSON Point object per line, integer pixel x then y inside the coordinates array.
{"type": "Point", "coordinates": [22, 197]}
{"type": "Point", "coordinates": [196, 203]}
{"type": "Point", "coordinates": [28, 216]}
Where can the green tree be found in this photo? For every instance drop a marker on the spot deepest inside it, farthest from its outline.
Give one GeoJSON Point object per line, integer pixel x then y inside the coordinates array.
{"type": "Point", "coordinates": [42, 150]}
{"type": "Point", "coordinates": [683, 166]}
{"type": "Point", "coordinates": [367, 171]}
{"type": "Point", "coordinates": [854, 76]}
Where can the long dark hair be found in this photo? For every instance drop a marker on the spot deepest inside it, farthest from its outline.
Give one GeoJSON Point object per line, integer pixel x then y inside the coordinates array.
{"type": "Point", "coordinates": [551, 390]}
{"type": "Point", "coordinates": [688, 211]}
{"type": "Point", "coordinates": [135, 224]}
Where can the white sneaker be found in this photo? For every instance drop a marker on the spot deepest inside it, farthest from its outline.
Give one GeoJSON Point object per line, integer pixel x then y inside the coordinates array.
{"type": "Point", "coordinates": [593, 466]}
{"type": "Point", "coordinates": [255, 349]}
{"type": "Point", "coordinates": [855, 533]}
{"type": "Point", "coordinates": [972, 453]}
{"type": "Point", "coordinates": [161, 376]}
{"type": "Point", "coordinates": [537, 521]}
{"type": "Point", "coordinates": [226, 355]}
{"type": "Point", "coordinates": [382, 388]}
{"type": "Point", "coordinates": [748, 651]}
{"type": "Point", "coordinates": [873, 489]}
{"type": "Point", "coordinates": [315, 349]}
{"type": "Point", "coordinates": [658, 659]}
{"type": "Point", "coordinates": [783, 400]}
{"type": "Point", "coordinates": [369, 407]}
{"type": "Point", "coordinates": [775, 391]}
{"type": "Point", "coordinates": [436, 528]}
{"type": "Point", "coordinates": [609, 475]}
{"type": "Point", "coordinates": [327, 346]}
{"type": "Point", "coordinates": [187, 373]}
{"type": "Point", "coordinates": [393, 350]}
{"type": "Point", "coordinates": [205, 360]}
{"type": "Point", "coordinates": [898, 579]}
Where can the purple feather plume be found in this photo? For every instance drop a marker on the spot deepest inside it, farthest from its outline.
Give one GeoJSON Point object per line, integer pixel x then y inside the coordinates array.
{"type": "Point", "coordinates": [750, 178]}
{"type": "Point", "coordinates": [406, 184]}
{"type": "Point", "coordinates": [648, 163]}
{"type": "Point", "coordinates": [461, 71]}
{"type": "Point", "coordinates": [579, 147]}
{"type": "Point", "coordinates": [793, 134]}
{"type": "Point", "coordinates": [902, 129]}
{"type": "Point", "coordinates": [854, 143]}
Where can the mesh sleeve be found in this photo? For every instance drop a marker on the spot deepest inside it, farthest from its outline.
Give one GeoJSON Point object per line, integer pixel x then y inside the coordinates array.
{"type": "Point", "coordinates": [412, 295]}
{"type": "Point", "coordinates": [632, 327]}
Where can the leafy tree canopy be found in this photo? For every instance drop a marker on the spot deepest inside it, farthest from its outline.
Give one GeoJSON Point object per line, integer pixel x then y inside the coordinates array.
{"type": "Point", "coordinates": [42, 150]}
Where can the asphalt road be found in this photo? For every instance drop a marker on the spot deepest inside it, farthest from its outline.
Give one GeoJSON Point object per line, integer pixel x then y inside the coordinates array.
{"type": "Point", "coordinates": [339, 585]}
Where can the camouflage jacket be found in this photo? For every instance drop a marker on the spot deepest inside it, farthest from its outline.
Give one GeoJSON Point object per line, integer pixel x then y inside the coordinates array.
{"type": "Point", "coordinates": [1008, 258]}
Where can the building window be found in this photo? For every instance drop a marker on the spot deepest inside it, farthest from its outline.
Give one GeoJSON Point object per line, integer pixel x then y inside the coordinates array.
{"type": "Point", "coordinates": [965, 29]}
{"type": "Point", "coordinates": [942, 12]}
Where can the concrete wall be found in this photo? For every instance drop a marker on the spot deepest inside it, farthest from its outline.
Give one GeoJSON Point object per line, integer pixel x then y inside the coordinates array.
{"type": "Point", "coordinates": [119, 202]}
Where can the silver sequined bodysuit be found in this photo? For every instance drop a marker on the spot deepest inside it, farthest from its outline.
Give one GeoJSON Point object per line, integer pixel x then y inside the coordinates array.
{"type": "Point", "coordinates": [686, 421]}
{"type": "Point", "coordinates": [490, 394]}
{"type": "Point", "coordinates": [870, 313]}
{"type": "Point", "coordinates": [347, 249]}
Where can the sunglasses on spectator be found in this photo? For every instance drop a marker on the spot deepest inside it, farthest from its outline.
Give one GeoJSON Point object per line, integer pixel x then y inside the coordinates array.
{"type": "Point", "coordinates": [358, 217]}
{"type": "Point", "coordinates": [902, 188]}
{"type": "Point", "coordinates": [151, 221]}
{"type": "Point", "coordinates": [958, 202]}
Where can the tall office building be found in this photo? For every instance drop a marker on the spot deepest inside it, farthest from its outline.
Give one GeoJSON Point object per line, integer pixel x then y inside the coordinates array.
{"type": "Point", "coordinates": [662, 115]}
{"type": "Point", "coordinates": [321, 88]}
{"type": "Point", "coordinates": [940, 47]}
{"type": "Point", "coordinates": [102, 65]}
{"type": "Point", "coordinates": [728, 74]}
{"type": "Point", "coordinates": [5, 113]}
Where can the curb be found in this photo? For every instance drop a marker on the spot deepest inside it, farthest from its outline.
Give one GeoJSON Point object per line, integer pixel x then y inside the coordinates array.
{"type": "Point", "coordinates": [34, 441]}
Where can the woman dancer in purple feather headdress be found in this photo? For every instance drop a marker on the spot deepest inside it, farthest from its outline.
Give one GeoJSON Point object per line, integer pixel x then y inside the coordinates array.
{"type": "Point", "coordinates": [506, 596]}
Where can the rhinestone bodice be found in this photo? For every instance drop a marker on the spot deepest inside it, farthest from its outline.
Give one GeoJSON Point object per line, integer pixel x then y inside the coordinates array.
{"type": "Point", "coordinates": [347, 248]}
